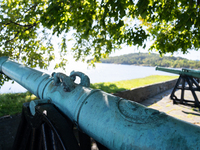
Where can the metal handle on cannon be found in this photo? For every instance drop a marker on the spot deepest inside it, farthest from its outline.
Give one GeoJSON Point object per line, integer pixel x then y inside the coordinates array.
{"type": "Point", "coordinates": [85, 80]}
{"type": "Point", "coordinates": [60, 78]}
{"type": "Point", "coordinates": [68, 81]}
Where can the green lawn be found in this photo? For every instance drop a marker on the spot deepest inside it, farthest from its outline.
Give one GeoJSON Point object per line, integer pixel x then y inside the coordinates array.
{"type": "Point", "coordinates": [113, 87]}
{"type": "Point", "coordinates": [11, 103]}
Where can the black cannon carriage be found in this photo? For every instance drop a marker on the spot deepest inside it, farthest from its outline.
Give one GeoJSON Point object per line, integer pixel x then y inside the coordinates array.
{"type": "Point", "coordinates": [188, 81]}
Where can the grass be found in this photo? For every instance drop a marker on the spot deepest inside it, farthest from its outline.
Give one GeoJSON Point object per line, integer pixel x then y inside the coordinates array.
{"type": "Point", "coordinates": [11, 103]}
{"type": "Point", "coordinates": [113, 87]}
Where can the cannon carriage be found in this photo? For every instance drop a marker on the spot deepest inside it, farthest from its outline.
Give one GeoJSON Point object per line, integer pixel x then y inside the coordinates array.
{"type": "Point", "coordinates": [188, 81]}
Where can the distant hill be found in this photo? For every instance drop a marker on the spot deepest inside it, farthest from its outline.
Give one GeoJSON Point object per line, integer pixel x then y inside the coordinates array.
{"type": "Point", "coordinates": [152, 59]}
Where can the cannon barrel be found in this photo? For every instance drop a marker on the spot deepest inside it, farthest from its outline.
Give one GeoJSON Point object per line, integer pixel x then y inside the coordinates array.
{"type": "Point", "coordinates": [115, 122]}
{"type": "Point", "coordinates": [191, 70]}
{"type": "Point", "coordinates": [184, 71]}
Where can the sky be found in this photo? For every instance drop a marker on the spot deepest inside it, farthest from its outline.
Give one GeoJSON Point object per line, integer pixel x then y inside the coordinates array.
{"type": "Point", "coordinates": [191, 55]}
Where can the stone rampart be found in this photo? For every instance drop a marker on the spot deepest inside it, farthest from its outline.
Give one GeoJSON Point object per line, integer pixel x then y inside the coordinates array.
{"type": "Point", "coordinates": [141, 93]}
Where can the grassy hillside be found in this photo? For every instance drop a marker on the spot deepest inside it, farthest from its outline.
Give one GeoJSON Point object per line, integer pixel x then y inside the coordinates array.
{"type": "Point", "coordinates": [147, 59]}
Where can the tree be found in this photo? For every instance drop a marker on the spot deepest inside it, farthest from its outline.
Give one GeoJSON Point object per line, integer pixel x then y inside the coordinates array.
{"type": "Point", "coordinates": [174, 24]}
{"type": "Point", "coordinates": [100, 27]}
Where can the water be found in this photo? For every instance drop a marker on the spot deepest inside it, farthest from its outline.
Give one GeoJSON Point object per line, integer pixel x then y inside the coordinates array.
{"type": "Point", "coordinates": [102, 73]}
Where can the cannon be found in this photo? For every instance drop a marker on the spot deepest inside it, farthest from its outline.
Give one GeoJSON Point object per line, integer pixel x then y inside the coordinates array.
{"type": "Point", "coordinates": [188, 81]}
{"type": "Point", "coordinates": [115, 123]}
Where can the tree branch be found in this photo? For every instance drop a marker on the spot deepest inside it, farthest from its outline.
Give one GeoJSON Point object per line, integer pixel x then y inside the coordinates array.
{"type": "Point", "coordinates": [11, 22]}
{"type": "Point", "coordinates": [29, 27]}
{"type": "Point", "coordinates": [12, 38]}
{"type": "Point", "coordinates": [32, 7]}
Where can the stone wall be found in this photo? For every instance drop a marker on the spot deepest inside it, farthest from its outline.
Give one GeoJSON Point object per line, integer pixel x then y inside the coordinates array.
{"type": "Point", "coordinates": [142, 93]}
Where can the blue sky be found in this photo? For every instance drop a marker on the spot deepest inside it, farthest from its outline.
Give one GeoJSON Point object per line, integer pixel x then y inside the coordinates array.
{"type": "Point", "coordinates": [191, 55]}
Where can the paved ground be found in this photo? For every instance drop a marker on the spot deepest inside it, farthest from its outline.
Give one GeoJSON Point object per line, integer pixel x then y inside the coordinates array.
{"type": "Point", "coordinates": [163, 103]}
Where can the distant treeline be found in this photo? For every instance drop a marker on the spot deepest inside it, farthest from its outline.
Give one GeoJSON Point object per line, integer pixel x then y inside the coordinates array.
{"type": "Point", "coordinates": [147, 59]}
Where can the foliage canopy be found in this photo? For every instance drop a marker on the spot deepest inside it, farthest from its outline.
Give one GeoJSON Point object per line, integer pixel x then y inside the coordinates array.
{"type": "Point", "coordinates": [100, 27]}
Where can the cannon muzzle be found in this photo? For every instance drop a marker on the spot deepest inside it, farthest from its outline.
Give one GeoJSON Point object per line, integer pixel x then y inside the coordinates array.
{"type": "Point", "coordinates": [115, 122]}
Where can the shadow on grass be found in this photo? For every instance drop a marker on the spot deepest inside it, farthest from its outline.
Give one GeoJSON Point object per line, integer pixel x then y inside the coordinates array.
{"type": "Point", "coordinates": [109, 88]}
